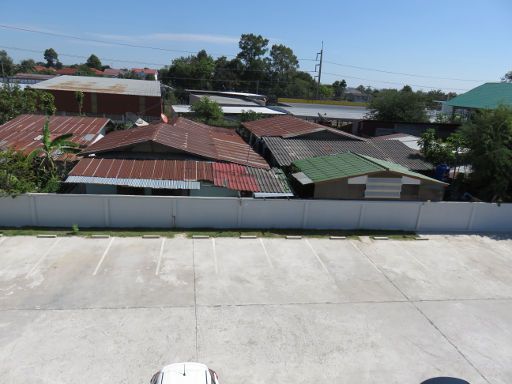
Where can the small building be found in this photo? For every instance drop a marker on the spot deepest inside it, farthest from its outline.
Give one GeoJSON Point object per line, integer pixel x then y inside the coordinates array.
{"type": "Point", "coordinates": [287, 127]}
{"type": "Point", "coordinates": [180, 139]}
{"type": "Point", "coordinates": [109, 97]}
{"type": "Point", "coordinates": [485, 96]}
{"type": "Point", "coordinates": [24, 132]}
{"type": "Point", "coordinates": [175, 178]}
{"type": "Point", "coordinates": [375, 128]}
{"type": "Point", "coordinates": [282, 153]}
{"type": "Point", "coordinates": [355, 177]}
{"type": "Point", "coordinates": [228, 110]}
{"type": "Point", "coordinates": [228, 98]}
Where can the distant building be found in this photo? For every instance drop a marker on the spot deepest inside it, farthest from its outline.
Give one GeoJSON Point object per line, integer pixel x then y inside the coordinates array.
{"type": "Point", "coordinates": [146, 73]}
{"type": "Point", "coordinates": [355, 177]}
{"type": "Point", "coordinates": [228, 98]}
{"type": "Point", "coordinates": [113, 72]}
{"type": "Point", "coordinates": [374, 128]}
{"type": "Point", "coordinates": [108, 97]}
{"type": "Point", "coordinates": [355, 95]}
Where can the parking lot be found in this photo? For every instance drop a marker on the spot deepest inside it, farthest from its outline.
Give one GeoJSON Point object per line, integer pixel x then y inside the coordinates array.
{"type": "Point", "coordinates": [80, 310]}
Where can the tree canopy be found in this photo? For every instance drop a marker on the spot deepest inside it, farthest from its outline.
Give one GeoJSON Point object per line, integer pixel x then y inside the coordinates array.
{"type": "Point", "coordinates": [51, 57]}
{"type": "Point", "coordinates": [207, 110]}
{"type": "Point", "coordinates": [393, 105]}
{"type": "Point", "coordinates": [94, 62]}
{"type": "Point", "coordinates": [489, 141]}
{"type": "Point", "coordinates": [7, 66]}
{"type": "Point", "coordinates": [15, 101]}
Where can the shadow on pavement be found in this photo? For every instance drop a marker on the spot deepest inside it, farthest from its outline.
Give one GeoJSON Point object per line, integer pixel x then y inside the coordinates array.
{"type": "Point", "coordinates": [445, 380]}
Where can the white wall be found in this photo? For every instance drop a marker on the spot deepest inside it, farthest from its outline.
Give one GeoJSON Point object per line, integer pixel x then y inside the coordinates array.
{"type": "Point", "coordinates": [206, 212]}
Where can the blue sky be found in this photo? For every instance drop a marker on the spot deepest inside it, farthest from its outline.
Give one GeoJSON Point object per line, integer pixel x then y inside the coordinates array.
{"type": "Point", "coordinates": [453, 39]}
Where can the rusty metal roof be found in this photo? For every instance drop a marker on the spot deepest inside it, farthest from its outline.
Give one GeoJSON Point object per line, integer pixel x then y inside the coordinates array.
{"type": "Point", "coordinates": [287, 126]}
{"type": "Point", "coordinates": [23, 133]}
{"type": "Point", "coordinates": [286, 151]}
{"type": "Point", "coordinates": [188, 136]}
{"type": "Point", "coordinates": [177, 174]}
{"type": "Point", "coordinates": [101, 85]}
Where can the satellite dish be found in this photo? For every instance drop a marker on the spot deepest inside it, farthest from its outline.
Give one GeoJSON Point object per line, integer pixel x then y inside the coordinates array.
{"type": "Point", "coordinates": [164, 118]}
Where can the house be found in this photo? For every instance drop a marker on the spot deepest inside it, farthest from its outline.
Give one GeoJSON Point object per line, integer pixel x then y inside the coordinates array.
{"type": "Point", "coordinates": [355, 95]}
{"type": "Point", "coordinates": [228, 98]}
{"type": "Point", "coordinates": [108, 97]}
{"type": "Point", "coordinates": [113, 72]}
{"type": "Point", "coordinates": [24, 132]}
{"type": "Point", "coordinates": [179, 139]}
{"type": "Point", "coordinates": [183, 158]}
{"type": "Point", "coordinates": [485, 96]}
{"type": "Point", "coordinates": [356, 177]}
{"type": "Point", "coordinates": [281, 152]}
{"type": "Point", "coordinates": [287, 127]}
{"type": "Point", "coordinates": [175, 178]}
{"type": "Point", "coordinates": [229, 110]}
{"type": "Point", "coordinates": [146, 73]}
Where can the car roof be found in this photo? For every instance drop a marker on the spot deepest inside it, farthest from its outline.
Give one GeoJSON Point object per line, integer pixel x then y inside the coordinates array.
{"type": "Point", "coordinates": [186, 373]}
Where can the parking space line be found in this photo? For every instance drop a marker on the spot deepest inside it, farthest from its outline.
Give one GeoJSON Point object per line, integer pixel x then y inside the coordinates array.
{"type": "Point", "coordinates": [318, 257]}
{"type": "Point", "coordinates": [267, 256]}
{"type": "Point", "coordinates": [36, 265]}
{"type": "Point", "coordinates": [157, 271]}
{"type": "Point", "coordinates": [103, 257]}
{"type": "Point", "coordinates": [215, 257]}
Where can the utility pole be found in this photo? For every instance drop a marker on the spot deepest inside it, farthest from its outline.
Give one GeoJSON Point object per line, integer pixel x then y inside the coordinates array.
{"type": "Point", "coordinates": [319, 66]}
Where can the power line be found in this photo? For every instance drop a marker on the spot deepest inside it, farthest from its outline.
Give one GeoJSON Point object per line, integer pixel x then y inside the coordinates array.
{"type": "Point", "coordinates": [390, 82]}
{"type": "Point", "coordinates": [219, 54]}
{"type": "Point", "coordinates": [11, 27]}
{"type": "Point", "coordinates": [403, 73]}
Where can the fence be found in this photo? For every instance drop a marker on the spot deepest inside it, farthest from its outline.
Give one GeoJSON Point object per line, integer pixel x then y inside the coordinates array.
{"type": "Point", "coordinates": [116, 211]}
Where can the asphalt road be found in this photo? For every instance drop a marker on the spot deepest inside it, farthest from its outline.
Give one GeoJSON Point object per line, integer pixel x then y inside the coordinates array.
{"type": "Point", "coordinates": [76, 310]}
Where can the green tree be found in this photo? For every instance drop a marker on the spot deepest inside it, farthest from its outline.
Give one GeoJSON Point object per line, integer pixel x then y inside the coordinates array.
{"type": "Point", "coordinates": [394, 105]}
{"type": "Point", "coordinates": [94, 62]}
{"type": "Point", "coordinates": [507, 78]}
{"type": "Point", "coordinates": [339, 88]}
{"type": "Point", "coordinates": [434, 150]}
{"type": "Point", "coordinates": [48, 173]}
{"type": "Point", "coordinates": [26, 66]}
{"type": "Point", "coordinates": [207, 110]}
{"type": "Point", "coordinates": [15, 101]}
{"type": "Point", "coordinates": [489, 141]}
{"type": "Point", "coordinates": [7, 67]}
{"type": "Point", "coordinates": [255, 66]}
{"type": "Point", "coordinates": [51, 57]}
{"type": "Point", "coordinates": [79, 97]}
{"type": "Point", "coordinates": [16, 174]}
{"type": "Point", "coordinates": [250, 116]}
{"type": "Point", "coordinates": [326, 91]}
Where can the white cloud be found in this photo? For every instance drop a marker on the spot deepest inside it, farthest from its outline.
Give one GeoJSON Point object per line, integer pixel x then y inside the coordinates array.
{"type": "Point", "coordinates": [175, 37]}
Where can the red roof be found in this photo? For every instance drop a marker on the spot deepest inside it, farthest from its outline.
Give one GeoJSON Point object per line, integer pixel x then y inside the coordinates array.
{"type": "Point", "coordinates": [23, 132]}
{"type": "Point", "coordinates": [230, 176]}
{"type": "Point", "coordinates": [288, 126]}
{"type": "Point", "coordinates": [66, 71]}
{"type": "Point", "coordinates": [146, 71]}
{"type": "Point", "coordinates": [185, 135]}
{"type": "Point", "coordinates": [41, 68]}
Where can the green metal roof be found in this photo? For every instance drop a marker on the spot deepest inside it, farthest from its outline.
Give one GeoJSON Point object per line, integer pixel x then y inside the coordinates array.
{"type": "Point", "coordinates": [485, 96]}
{"type": "Point", "coordinates": [350, 164]}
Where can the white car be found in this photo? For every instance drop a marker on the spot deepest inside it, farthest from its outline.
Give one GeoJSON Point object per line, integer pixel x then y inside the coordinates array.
{"type": "Point", "coordinates": [185, 373]}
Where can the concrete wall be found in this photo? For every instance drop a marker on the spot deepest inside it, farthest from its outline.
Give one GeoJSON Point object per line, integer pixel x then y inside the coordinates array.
{"type": "Point", "coordinates": [202, 212]}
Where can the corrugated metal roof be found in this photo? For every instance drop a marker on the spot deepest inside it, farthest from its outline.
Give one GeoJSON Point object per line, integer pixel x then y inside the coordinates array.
{"type": "Point", "coordinates": [286, 151]}
{"type": "Point", "coordinates": [233, 110]}
{"type": "Point", "coordinates": [23, 133]}
{"type": "Point", "coordinates": [188, 136]}
{"type": "Point", "coordinates": [177, 174]}
{"type": "Point", "coordinates": [485, 96]}
{"type": "Point", "coordinates": [324, 168]}
{"type": "Point", "coordinates": [339, 112]}
{"type": "Point", "coordinates": [139, 183]}
{"type": "Point", "coordinates": [101, 85]}
{"type": "Point", "coordinates": [289, 126]}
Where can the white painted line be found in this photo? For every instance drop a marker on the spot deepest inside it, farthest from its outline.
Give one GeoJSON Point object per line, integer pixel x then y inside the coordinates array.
{"type": "Point", "coordinates": [160, 257]}
{"type": "Point", "coordinates": [267, 256]}
{"type": "Point", "coordinates": [317, 257]}
{"type": "Point", "coordinates": [103, 256]}
{"type": "Point", "coordinates": [216, 262]}
{"type": "Point", "coordinates": [36, 265]}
